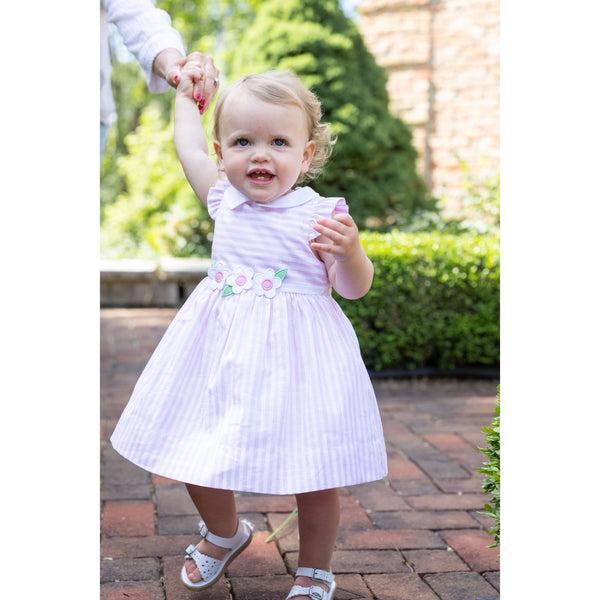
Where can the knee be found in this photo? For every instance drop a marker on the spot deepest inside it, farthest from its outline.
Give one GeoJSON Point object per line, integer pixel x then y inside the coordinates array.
{"type": "Point", "coordinates": [320, 498]}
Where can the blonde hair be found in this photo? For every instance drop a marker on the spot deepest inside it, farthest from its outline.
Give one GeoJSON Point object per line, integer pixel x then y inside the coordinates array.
{"type": "Point", "coordinates": [284, 87]}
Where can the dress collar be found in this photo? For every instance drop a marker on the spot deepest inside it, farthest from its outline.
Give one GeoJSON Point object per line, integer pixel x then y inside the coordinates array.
{"type": "Point", "coordinates": [299, 196]}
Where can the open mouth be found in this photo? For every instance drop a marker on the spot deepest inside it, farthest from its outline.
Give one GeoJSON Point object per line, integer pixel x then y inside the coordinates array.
{"type": "Point", "coordinates": [261, 176]}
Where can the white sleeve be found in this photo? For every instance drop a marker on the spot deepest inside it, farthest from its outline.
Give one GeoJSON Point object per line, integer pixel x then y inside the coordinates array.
{"type": "Point", "coordinates": [146, 31]}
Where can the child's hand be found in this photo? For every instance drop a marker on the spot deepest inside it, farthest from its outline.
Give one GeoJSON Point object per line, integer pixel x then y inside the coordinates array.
{"type": "Point", "coordinates": [199, 80]}
{"type": "Point", "coordinates": [338, 236]}
{"type": "Point", "coordinates": [349, 270]}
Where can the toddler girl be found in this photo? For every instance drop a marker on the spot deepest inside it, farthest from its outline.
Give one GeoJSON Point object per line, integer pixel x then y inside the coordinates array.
{"type": "Point", "coordinates": [258, 384]}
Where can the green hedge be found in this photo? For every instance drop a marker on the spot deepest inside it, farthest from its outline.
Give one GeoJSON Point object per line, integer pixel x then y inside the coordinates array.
{"type": "Point", "coordinates": [435, 302]}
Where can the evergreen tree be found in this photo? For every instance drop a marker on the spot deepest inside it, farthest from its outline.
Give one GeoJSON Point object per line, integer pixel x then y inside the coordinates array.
{"type": "Point", "coordinates": [373, 163]}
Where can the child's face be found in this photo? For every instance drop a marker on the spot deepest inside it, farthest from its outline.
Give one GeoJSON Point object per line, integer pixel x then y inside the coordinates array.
{"type": "Point", "coordinates": [263, 147]}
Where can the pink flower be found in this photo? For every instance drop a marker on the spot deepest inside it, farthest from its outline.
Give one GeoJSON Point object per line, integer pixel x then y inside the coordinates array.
{"type": "Point", "coordinates": [217, 275]}
{"type": "Point", "coordinates": [266, 284]}
{"type": "Point", "coordinates": [240, 279]}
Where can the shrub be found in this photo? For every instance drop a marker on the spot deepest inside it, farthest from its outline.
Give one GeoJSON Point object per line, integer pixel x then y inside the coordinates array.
{"type": "Point", "coordinates": [434, 301]}
{"type": "Point", "coordinates": [491, 470]}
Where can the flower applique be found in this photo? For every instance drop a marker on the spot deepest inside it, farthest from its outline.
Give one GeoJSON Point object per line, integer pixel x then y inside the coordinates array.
{"type": "Point", "coordinates": [217, 275]}
{"type": "Point", "coordinates": [238, 281]}
{"type": "Point", "coordinates": [266, 284]}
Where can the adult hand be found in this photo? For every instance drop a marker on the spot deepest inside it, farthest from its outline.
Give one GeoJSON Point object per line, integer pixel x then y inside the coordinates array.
{"type": "Point", "coordinates": [204, 78]}
{"type": "Point", "coordinates": [168, 65]}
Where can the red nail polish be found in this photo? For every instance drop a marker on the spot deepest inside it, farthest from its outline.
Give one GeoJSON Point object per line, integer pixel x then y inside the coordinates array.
{"type": "Point", "coordinates": [176, 78]}
{"type": "Point", "coordinates": [198, 96]}
{"type": "Point", "coordinates": [203, 102]}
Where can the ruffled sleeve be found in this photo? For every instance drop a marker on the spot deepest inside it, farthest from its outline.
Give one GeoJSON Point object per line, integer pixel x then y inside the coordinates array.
{"type": "Point", "coordinates": [215, 197]}
{"type": "Point", "coordinates": [324, 209]}
{"type": "Point", "coordinates": [340, 205]}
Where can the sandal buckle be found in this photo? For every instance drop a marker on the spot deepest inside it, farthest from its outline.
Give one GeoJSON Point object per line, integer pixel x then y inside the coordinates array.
{"type": "Point", "coordinates": [321, 575]}
{"type": "Point", "coordinates": [203, 529]}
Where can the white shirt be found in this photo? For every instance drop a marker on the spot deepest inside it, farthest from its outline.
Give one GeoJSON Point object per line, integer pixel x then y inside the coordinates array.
{"type": "Point", "coordinates": [146, 31]}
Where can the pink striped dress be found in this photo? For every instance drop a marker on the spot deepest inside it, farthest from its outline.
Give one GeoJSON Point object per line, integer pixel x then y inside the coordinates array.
{"type": "Point", "coordinates": [258, 384]}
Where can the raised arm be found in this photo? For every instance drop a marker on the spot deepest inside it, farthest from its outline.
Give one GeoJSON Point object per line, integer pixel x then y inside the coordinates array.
{"type": "Point", "coordinates": [190, 140]}
{"type": "Point", "coordinates": [349, 269]}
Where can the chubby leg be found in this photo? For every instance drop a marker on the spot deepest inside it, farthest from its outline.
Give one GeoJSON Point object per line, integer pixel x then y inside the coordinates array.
{"type": "Point", "coordinates": [318, 521]}
{"type": "Point", "coordinates": [217, 509]}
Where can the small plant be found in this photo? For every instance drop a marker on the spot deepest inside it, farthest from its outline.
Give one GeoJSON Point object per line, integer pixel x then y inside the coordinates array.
{"type": "Point", "coordinates": [293, 514]}
{"type": "Point", "coordinates": [480, 209]}
{"type": "Point", "coordinates": [491, 470]}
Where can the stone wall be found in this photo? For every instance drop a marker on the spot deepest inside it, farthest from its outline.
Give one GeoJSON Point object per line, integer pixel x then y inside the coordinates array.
{"type": "Point", "coordinates": [442, 58]}
{"type": "Point", "coordinates": [166, 282]}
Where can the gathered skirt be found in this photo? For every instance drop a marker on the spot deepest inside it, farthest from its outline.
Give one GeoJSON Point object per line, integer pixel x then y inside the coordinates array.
{"type": "Point", "coordinates": [256, 394]}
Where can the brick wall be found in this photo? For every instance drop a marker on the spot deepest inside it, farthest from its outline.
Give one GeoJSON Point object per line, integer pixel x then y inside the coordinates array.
{"type": "Point", "coordinates": [442, 58]}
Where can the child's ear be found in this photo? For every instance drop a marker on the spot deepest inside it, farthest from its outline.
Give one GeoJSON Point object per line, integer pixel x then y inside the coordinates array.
{"type": "Point", "coordinates": [217, 146]}
{"type": "Point", "coordinates": [307, 157]}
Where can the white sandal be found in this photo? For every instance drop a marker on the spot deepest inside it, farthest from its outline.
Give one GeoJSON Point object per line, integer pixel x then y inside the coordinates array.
{"type": "Point", "coordinates": [212, 568]}
{"type": "Point", "coordinates": [314, 591]}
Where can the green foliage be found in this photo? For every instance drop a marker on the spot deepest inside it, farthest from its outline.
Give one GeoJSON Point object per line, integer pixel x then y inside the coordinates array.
{"type": "Point", "coordinates": [159, 215]}
{"type": "Point", "coordinates": [491, 470]}
{"type": "Point", "coordinates": [212, 27]}
{"type": "Point", "coordinates": [480, 212]}
{"type": "Point", "coordinates": [127, 83]}
{"type": "Point", "coordinates": [374, 162]}
{"type": "Point", "coordinates": [435, 301]}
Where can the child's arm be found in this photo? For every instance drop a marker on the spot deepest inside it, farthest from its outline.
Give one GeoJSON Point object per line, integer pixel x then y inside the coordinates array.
{"type": "Point", "coordinates": [349, 269]}
{"type": "Point", "coordinates": [190, 141]}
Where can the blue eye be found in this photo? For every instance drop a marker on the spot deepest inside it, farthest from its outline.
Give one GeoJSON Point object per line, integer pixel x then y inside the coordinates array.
{"type": "Point", "coordinates": [242, 142]}
{"type": "Point", "coordinates": [279, 142]}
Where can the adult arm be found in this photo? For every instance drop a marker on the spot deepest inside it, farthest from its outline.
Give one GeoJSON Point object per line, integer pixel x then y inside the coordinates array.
{"type": "Point", "coordinates": [148, 35]}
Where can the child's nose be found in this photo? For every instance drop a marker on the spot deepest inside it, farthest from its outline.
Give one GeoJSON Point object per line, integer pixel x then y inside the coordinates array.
{"type": "Point", "coordinates": [260, 153]}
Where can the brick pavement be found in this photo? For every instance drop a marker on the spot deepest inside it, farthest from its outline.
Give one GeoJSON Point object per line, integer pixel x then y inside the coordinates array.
{"type": "Point", "coordinates": [417, 535]}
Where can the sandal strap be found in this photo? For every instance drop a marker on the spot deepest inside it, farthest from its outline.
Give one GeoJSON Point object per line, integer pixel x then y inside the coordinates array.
{"type": "Point", "coordinates": [316, 574]}
{"type": "Point", "coordinates": [314, 592]}
{"type": "Point", "coordinates": [222, 542]}
{"type": "Point", "coordinates": [207, 565]}
{"type": "Point", "coordinates": [212, 568]}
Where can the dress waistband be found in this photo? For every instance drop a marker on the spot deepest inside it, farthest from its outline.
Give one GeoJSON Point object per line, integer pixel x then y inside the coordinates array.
{"type": "Point", "coordinates": [266, 282]}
